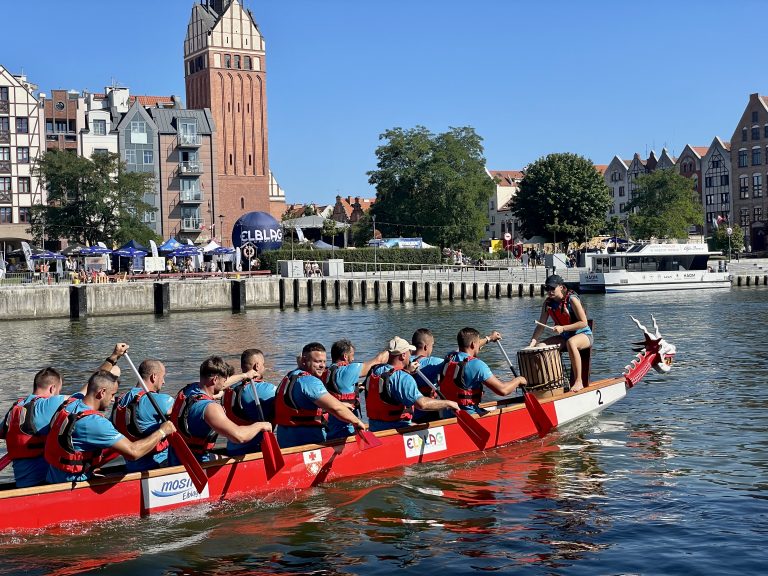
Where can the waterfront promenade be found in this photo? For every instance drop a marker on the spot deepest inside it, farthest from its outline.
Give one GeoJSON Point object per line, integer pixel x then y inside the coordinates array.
{"type": "Point", "coordinates": [194, 292]}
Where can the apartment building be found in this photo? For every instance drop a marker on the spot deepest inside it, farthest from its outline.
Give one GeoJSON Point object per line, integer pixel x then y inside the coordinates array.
{"type": "Point", "coordinates": [500, 217]}
{"type": "Point", "coordinates": [64, 119]}
{"type": "Point", "coordinates": [21, 142]}
{"type": "Point", "coordinates": [749, 158]}
{"type": "Point", "coordinates": [716, 192]}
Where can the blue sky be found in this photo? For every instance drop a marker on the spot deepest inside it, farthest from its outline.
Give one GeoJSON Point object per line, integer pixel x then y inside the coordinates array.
{"type": "Point", "coordinates": [596, 78]}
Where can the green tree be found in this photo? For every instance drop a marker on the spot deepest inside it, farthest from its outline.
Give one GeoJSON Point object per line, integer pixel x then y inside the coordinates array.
{"type": "Point", "coordinates": [720, 238]}
{"type": "Point", "coordinates": [431, 185]}
{"type": "Point", "coordinates": [91, 200]}
{"type": "Point", "coordinates": [665, 206]}
{"type": "Point", "coordinates": [562, 197]}
{"type": "Point", "coordinates": [331, 230]}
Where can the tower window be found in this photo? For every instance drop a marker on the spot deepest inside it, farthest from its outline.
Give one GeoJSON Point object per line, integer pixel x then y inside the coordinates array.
{"type": "Point", "coordinates": [237, 62]}
{"type": "Point", "coordinates": [247, 66]}
{"type": "Point", "coordinates": [242, 203]}
{"type": "Point", "coordinates": [227, 61]}
{"type": "Point", "coordinates": [230, 159]}
{"type": "Point", "coordinates": [249, 159]}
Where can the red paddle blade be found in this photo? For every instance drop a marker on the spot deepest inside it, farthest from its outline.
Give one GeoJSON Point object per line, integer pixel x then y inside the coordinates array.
{"type": "Point", "coordinates": [5, 460]}
{"type": "Point", "coordinates": [538, 415]}
{"type": "Point", "coordinates": [366, 440]}
{"type": "Point", "coordinates": [191, 465]}
{"type": "Point", "coordinates": [473, 428]}
{"type": "Point", "coordinates": [273, 457]}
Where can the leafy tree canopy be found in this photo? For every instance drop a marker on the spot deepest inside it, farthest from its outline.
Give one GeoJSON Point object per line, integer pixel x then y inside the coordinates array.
{"type": "Point", "coordinates": [431, 185]}
{"type": "Point", "coordinates": [720, 238]}
{"type": "Point", "coordinates": [666, 206]}
{"type": "Point", "coordinates": [91, 200]}
{"type": "Point", "coordinates": [562, 197]}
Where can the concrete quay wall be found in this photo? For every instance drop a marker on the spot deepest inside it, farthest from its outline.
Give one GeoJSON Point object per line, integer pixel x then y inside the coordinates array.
{"type": "Point", "coordinates": [76, 301]}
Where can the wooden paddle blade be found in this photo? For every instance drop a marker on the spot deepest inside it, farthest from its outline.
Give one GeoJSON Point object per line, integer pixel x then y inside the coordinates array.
{"type": "Point", "coordinates": [473, 428]}
{"type": "Point", "coordinates": [273, 457]}
{"type": "Point", "coordinates": [191, 465]}
{"type": "Point", "coordinates": [538, 415]}
{"type": "Point", "coordinates": [366, 440]}
{"type": "Point", "coordinates": [5, 460]}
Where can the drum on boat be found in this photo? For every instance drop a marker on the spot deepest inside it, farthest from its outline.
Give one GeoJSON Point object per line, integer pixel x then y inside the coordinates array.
{"type": "Point", "coordinates": [543, 369]}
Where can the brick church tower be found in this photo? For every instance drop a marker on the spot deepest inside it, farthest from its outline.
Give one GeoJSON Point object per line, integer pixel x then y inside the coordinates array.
{"type": "Point", "coordinates": [225, 70]}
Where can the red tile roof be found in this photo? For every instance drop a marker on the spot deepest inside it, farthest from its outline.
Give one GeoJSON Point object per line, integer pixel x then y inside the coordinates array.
{"type": "Point", "coordinates": [601, 168]}
{"type": "Point", "coordinates": [507, 177]}
{"type": "Point", "coordinates": [700, 150]}
{"type": "Point", "coordinates": [144, 100]}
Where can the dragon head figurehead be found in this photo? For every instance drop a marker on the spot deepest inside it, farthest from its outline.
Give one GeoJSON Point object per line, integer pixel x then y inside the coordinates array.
{"type": "Point", "coordinates": [654, 352]}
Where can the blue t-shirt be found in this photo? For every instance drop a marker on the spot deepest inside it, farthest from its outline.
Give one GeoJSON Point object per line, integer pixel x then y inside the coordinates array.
{"type": "Point", "coordinates": [431, 367]}
{"type": "Point", "coordinates": [403, 390]}
{"type": "Point", "coordinates": [266, 392]}
{"type": "Point", "coordinates": [346, 380]}
{"type": "Point", "coordinates": [92, 432]}
{"type": "Point", "coordinates": [307, 389]}
{"type": "Point", "coordinates": [475, 373]}
{"type": "Point", "coordinates": [147, 421]}
{"type": "Point", "coordinates": [196, 423]}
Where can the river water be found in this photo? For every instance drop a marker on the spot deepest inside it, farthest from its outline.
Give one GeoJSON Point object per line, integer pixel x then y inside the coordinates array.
{"type": "Point", "coordinates": [671, 480]}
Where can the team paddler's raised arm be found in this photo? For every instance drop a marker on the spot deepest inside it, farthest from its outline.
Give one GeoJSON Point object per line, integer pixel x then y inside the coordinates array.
{"type": "Point", "coordinates": [494, 336]}
{"type": "Point", "coordinates": [111, 360]}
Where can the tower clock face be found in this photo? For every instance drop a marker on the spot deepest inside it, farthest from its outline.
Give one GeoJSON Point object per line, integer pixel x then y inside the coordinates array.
{"type": "Point", "coordinates": [59, 105]}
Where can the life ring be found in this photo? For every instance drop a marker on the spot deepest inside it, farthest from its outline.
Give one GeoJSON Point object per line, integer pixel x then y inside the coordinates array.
{"type": "Point", "coordinates": [248, 251]}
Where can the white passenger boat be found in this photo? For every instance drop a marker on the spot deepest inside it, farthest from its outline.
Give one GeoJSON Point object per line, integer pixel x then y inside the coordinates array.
{"type": "Point", "coordinates": [647, 267]}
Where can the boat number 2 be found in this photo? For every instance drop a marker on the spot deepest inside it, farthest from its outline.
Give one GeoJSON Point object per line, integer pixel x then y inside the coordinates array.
{"type": "Point", "coordinates": [599, 397]}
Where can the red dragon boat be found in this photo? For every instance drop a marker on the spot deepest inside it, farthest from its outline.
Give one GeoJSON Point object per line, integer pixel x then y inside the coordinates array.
{"type": "Point", "coordinates": [119, 494]}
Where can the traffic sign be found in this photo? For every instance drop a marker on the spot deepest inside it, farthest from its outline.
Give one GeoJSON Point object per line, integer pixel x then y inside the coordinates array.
{"type": "Point", "coordinates": [248, 251]}
{"type": "Point", "coordinates": [507, 236]}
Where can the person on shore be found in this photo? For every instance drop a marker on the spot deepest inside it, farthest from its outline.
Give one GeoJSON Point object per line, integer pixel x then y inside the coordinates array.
{"type": "Point", "coordinates": [341, 378]}
{"type": "Point", "coordinates": [302, 400]}
{"type": "Point", "coordinates": [27, 423]}
{"type": "Point", "coordinates": [572, 331]}
{"type": "Point", "coordinates": [391, 392]}
{"type": "Point", "coordinates": [134, 416]}
{"type": "Point", "coordinates": [81, 438]}
{"type": "Point", "coordinates": [245, 407]}
{"type": "Point", "coordinates": [464, 375]}
{"type": "Point", "coordinates": [431, 366]}
{"type": "Point", "coordinates": [200, 419]}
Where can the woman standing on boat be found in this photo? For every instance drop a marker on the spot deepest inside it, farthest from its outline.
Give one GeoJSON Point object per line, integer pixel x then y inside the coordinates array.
{"type": "Point", "coordinates": [572, 332]}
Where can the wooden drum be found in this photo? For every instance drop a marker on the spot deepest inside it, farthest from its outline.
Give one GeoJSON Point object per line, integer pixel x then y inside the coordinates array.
{"type": "Point", "coordinates": [543, 369]}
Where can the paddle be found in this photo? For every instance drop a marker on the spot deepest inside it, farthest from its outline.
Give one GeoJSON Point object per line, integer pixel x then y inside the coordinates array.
{"type": "Point", "coordinates": [472, 427]}
{"type": "Point", "coordinates": [191, 465]}
{"type": "Point", "coordinates": [270, 449]}
{"type": "Point", "coordinates": [538, 415]}
{"type": "Point", "coordinates": [5, 460]}
{"type": "Point", "coordinates": [367, 439]}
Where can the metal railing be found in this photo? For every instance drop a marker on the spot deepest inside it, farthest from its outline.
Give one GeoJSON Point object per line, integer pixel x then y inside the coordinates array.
{"type": "Point", "coordinates": [189, 139]}
{"type": "Point", "coordinates": [191, 195]}
{"type": "Point", "coordinates": [191, 168]}
{"type": "Point", "coordinates": [189, 224]}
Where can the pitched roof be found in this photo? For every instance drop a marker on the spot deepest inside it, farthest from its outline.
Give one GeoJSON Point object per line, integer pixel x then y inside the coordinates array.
{"type": "Point", "coordinates": [601, 168]}
{"type": "Point", "coordinates": [160, 101]}
{"type": "Point", "coordinates": [167, 119]}
{"type": "Point", "coordinates": [507, 177]}
{"type": "Point", "coordinates": [700, 150]}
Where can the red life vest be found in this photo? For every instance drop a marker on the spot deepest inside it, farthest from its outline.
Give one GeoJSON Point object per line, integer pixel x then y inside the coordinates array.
{"type": "Point", "coordinates": [179, 413]}
{"type": "Point", "coordinates": [453, 385]}
{"type": "Point", "coordinates": [378, 399]}
{"type": "Point", "coordinates": [123, 418]}
{"type": "Point", "coordinates": [287, 413]}
{"type": "Point", "coordinates": [233, 404]}
{"type": "Point", "coordinates": [59, 451]}
{"type": "Point", "coordinates": [329, 378]}
{"type": "Point", "coordinates": [18, 432]}
{"type": "Point", "coordinates": [561, 312]}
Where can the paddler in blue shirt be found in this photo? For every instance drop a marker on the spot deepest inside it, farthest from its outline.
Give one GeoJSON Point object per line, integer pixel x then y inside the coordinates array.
{"type": "Point", "coordinates": [341, 378]}
{"type": "Point", "coordinates": [424, 342]}
{"type": "Point", "coordinates": [134, 416]}
{"type": "Point", "coordinates": [81, 438]}
{"type": "Point", "coordinates": [200, 418]}
{"type": "Point", "coordinates": [28, 421]}
{"type": "Point", "coordinates": [391, 392]}
{"type": "Point", "coordinates": [302, 400]}
{"type": "Point", "coordinates": [241, 405]}
{"type": "Point", "coordinates": [464, 375]}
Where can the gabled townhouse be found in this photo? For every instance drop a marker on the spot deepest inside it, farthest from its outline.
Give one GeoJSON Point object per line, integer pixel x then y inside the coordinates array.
{"type": "Point", "coordinates": [500, 217]}
{"type": "Point", "coordinates": [21, 143]}
{"type": "Point", "coordinates": [716, 188]}
{"type": "Point", "coordinates": [689, 166]}
{"type": "Point", "coordinates": [615, 177]}
{"type": "Point", "coordinates": [749, 149]}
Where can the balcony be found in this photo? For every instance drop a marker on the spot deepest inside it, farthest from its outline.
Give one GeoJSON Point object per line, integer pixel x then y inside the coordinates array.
{"type": "Point", "coordinates": [191, 196]}
{"type": "Point", "coordinates": [190, 169]}
{"type": "Point", "coordinates": [189, 140]}
{"type": "Point", "coordinates": [191, 224]}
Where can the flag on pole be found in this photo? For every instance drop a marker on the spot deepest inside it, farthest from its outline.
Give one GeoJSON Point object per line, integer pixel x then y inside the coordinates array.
{"type": "Point", "coordinates": [719, 220]}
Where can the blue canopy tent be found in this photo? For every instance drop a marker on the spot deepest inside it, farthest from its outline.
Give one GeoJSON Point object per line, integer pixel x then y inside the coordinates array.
{"type": "Point", "coordinates": [134, 252]}
{"type": "Point", "coordinates": [95, 251]}
{"type": "Point", "coordinates": [46, 255]}
{"type": "Point", "coordinates": [169, 245]}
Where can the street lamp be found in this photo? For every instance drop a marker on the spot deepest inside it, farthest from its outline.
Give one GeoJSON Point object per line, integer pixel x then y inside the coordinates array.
{"type": "Point", "coordinates": [374, 243]}
{"type": "Point", "coordinates": [221, 228]}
